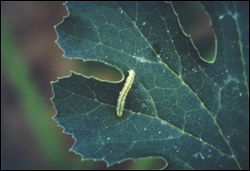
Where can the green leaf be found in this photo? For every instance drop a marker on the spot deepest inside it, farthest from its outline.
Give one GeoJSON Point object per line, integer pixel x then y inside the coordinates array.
{"type": "Point", "coordinates": [193, 114]}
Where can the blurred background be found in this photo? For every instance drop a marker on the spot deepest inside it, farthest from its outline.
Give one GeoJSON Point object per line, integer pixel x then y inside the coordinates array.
{"type": "Point", "coordinates": [30, 59]}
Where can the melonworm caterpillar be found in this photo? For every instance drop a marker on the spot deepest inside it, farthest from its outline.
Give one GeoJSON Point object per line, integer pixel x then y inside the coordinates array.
{"type": "Point", "coordinates": [124, 92]}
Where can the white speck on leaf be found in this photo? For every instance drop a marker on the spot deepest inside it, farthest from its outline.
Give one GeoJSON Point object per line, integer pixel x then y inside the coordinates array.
{"type": "Point", "coordinates": [108, 138]}
{"type": "Point", "coordinates": [140, 59]}
{"type": "Point", "coordinates": [144, 23]}
{"type": "Point", "coordinates": [121, 11]}
{"type": "Point", "coordinates": [221, 17]}
{"type": "Point", "coordinates": [202, 105]}
{"type": "Point", "coordinates": [198, 154]}
{"type": "Point", "coordinates": [194, 70]}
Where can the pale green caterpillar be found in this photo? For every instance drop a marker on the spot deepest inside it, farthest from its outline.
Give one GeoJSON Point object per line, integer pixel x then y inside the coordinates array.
{"type": "Point", "coordinates": [124, 92]}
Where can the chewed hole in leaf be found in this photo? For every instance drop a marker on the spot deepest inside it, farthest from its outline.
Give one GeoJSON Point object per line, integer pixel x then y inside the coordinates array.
{"type": "Point", "coordinates": [98, 70]}
{"type": "Point", "coordinates": [196, 23]}
{"type": "Point", "coordinates": [148, 163]}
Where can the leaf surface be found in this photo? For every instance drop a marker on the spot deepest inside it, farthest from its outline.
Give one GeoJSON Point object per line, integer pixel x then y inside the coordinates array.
{"type": "Point", "coordinates": [193, 114]}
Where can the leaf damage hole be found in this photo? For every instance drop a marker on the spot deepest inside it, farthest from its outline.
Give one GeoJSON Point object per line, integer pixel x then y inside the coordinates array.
{"type": "Point", "coordinates": [98, 70]}
{"type": "Point", "coordinates": [148, 163]}
{"type": "Point", "coordinates": [196, 23]}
